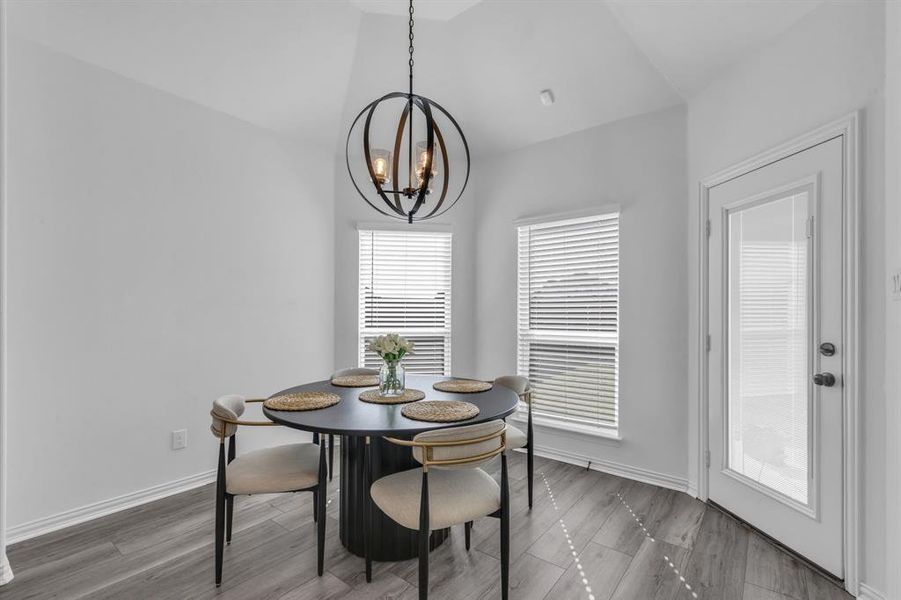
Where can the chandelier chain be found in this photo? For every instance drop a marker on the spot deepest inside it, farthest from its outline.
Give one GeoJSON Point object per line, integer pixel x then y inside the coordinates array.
{"type": "Point", "coordinates": [411, 46]}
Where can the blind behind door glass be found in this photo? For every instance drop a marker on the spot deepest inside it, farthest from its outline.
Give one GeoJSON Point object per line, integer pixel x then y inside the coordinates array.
{"type": "Point", "coordinates": [768, 329]}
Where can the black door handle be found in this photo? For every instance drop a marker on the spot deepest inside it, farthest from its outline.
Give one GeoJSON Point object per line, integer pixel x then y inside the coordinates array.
{"type": "Point", "coordinates": [825, 379]}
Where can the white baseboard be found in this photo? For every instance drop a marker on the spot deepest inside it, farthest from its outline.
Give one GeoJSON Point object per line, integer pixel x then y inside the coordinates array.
{"type": "Point", "coordinates": [104, 507]}
{"type": "Point", "coordinates": [621, 470]}
{"type": "Point", "coordinates": [865, 592]}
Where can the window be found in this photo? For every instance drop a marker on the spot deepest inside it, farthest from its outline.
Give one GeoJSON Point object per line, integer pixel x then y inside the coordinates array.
{"type": "Point", "coordinates": [568, 318]}
{"type": "Point", "coordinates": [405, 288]}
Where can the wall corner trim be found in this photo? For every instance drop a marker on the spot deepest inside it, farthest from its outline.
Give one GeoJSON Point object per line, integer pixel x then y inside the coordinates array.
{"type": "Point", "coordinates": [6, 572]}
{"type": "Point", "coordinates": [103, 508]}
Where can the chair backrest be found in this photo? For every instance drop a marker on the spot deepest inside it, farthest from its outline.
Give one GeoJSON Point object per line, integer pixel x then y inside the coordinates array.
{"type": "Point", "coordinates": [229, 407]}
{"type": "Point", "coordinates": [518, 384]}
{"type": "Point", "coordinates": [474, 445]}
{"type": "Point", "coordinates": [354, 371]}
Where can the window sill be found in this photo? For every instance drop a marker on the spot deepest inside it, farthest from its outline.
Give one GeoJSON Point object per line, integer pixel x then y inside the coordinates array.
{"type": "Point", "coordinates": [521, 416]}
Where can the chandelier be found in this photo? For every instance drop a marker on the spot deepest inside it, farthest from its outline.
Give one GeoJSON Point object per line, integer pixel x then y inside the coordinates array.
{"type": "Point", "coordinates": [413, 181]}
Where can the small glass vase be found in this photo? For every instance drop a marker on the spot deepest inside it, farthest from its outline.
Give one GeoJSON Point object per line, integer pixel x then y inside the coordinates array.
{"type": "Point", "coordinates": [391, 378]}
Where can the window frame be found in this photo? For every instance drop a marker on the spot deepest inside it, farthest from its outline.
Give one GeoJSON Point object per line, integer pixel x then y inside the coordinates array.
{"type": "Point", "coordinates": [609, 432]}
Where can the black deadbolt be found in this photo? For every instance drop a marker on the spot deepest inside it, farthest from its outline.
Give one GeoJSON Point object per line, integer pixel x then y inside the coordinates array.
{"type": "Point", "coordinates": [827, 349]}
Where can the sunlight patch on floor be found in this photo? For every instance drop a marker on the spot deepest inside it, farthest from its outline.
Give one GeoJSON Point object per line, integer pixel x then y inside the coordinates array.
{"type": "Point", "coordinates": [647, 533]}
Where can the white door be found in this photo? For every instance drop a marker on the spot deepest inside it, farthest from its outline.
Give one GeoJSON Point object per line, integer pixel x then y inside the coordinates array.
{"type": "Point", "coordinates": [775, 321]}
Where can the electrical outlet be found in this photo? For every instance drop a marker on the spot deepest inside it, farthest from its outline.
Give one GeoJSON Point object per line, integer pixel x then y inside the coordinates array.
{"type": "Point", "coordinates": [179, 439]}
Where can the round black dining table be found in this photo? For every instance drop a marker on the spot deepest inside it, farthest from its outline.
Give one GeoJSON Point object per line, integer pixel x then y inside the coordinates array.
{"type": "Point", "coordinates": [355, 420]}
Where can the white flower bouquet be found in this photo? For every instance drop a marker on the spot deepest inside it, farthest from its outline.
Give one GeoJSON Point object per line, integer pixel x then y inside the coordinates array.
{"type": "Point", "coordinates": [391, 347]}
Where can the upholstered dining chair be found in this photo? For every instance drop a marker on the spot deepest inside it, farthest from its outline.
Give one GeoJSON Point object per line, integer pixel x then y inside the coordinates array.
{"type": "Point", "coordinates": [285, 468]}
{"type": "Point", "coordinates": [449, 489]}
{"type": "Point", "coordinates": [515, 437]}
{"type": "Point", "coordinates": [331, 438]}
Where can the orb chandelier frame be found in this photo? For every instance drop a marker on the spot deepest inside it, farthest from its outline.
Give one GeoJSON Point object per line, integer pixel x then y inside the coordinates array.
{"type": "Point", "coordinates": [383, 166]}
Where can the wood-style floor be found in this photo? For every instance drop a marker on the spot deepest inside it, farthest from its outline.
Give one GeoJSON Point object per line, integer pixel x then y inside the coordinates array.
{"type": "Point", "coordinates": [590, 536]}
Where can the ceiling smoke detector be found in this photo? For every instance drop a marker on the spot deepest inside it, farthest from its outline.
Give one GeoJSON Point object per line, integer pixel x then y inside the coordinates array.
{"type": "Point", "coordinates": [546, 97]}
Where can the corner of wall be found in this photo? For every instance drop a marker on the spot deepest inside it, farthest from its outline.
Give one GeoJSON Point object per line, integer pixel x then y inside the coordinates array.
{"type": "Point", "coordinates": [6, 573]}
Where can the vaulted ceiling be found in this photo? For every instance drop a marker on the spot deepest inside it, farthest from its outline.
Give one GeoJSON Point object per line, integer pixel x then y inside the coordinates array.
{"type": "Point", "coordinates": [692, 42]}
{"type": "Point", "coordinates": [304, 68]}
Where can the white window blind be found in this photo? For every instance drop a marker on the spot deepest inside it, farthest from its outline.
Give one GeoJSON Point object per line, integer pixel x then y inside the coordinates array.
{"type": "Point", "coordinates": [405, 288]}
{"type": "Point", "coordinates": [568, 317]}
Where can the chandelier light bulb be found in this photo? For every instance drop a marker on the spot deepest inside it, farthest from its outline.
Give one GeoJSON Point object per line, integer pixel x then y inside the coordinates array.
{"type": "Point", "coordinates": [380, 161]}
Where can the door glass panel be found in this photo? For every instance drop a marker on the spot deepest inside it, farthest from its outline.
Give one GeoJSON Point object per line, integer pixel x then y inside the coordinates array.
{"type": "Point", "coordinates": [768, 344]}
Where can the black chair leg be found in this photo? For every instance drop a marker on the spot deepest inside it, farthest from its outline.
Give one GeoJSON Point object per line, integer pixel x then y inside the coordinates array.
{"type": "Point", "coordinates": [468, 528]}
{"type": "Point", "coordinates": [315, 506]}
{"type": "Point", "coordinates": [424, 539]}
{"type": "Point", "coordinates": [220, 514]}
{"type": "Point", "coordinates": [531, 467]}
{"type": "Point", "coordinates": [331, 455]}
{"type": "Point", "coordinates": [320, 524]}
{"type": "Point", "coordinates": [229, 517]}
{"type": "Point", "coordinates": [530, 451]}
{"type": "Point", "coordinates": [505, 530]}
{"type": "Point", "coordinates": [367, 516]}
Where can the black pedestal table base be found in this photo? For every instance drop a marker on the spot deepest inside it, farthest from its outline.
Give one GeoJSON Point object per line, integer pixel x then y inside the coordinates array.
{"type": "Point", "coordinates": [390, 541]}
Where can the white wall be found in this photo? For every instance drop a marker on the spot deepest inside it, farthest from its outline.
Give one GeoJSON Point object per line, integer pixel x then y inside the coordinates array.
{"type": "Point", "coordinates": [827, 65]}
{"type": "Point", "coordinates": [351, 210]}
{"type": "Point", "coordinates": [893, 305]}
{"type": "Point", "coordinates": [638, 163]}
{"type": "Point", "coordinates": [160, 254]}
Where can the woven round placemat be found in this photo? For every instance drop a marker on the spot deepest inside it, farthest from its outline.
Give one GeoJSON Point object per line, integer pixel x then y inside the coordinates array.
{"type": "Point", "coordinates": [440, 411]}
{"type": "Point", "coordinates": [463, 386]}
{"type": "Point", "coordinates": [409, 395]}
{"type": "Point", "coordinates": [302, 401]}
{"type": "Point", "coordinates": [356, 380]}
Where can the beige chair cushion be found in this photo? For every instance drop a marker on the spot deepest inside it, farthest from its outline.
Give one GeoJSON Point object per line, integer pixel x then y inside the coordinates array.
{"type": "Point", "coordinates": [271, 470]}
{"type": "Point", "coordinates": [354, 371]}
{"type": "Point", "coordinates": [454, 496]}
{"type": "Point", "coordinates": [467, 432]}
{"type": "Point", "coordinates": [518, 384]}
{"type": "Point", "coordinates": [226, 407]}
{"type": "Point", "coordinates": [515, 438]}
